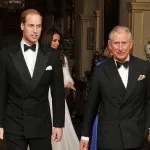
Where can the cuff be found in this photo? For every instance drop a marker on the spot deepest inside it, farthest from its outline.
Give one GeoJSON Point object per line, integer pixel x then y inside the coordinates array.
{"type": "Point", "coordinates": [84, 138]}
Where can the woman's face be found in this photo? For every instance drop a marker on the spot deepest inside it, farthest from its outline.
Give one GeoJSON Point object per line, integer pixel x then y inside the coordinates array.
{"type": "Point", "coordinates": [55, 41]}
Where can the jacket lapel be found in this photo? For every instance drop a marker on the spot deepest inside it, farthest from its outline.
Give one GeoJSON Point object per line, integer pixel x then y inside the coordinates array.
{"type": "Point", "coordinates": [114, 77]}
{"type": "Point", "coordinates": [20, 64]}
{"type": "Point", "coordinates": [40, 65]}
{"type": "Point", "coordinates": [132, 77]}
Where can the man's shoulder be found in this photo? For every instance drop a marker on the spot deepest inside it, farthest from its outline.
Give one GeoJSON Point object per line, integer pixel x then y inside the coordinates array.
{"type": "Point", "coordinates": [141, 64]}
{"type": "Point", "coordinates": [47, 48]}
{"type": "Point", "coordinates": [4, 53]}
{"type": "Point", "coordinates": [9, 48]}
{"type": "Point", "coordinates": [103, 64]}
{"type": "Point", "coordinates": [139, 60]}
{"type": "Point", "coordinates": [53, 53]}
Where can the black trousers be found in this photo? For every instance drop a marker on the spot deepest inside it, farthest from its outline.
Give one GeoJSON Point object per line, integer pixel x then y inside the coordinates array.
{"type": "Point", "coordinates": [17, 142]}
{"type": "Point", "coordinates": [145, 146]}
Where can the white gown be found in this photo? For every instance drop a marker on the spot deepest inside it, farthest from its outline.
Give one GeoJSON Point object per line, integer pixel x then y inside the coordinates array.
{"type": "Point", "coordinates": [69, 139]}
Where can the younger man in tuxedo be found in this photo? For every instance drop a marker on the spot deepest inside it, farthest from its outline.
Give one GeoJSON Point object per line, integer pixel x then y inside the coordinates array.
{"type": "Point", "coordinates": [120, 90]}
{"type": "Point", "coordinates": [28, 69]}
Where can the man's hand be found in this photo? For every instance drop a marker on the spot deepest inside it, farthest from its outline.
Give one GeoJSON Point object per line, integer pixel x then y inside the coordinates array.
{"type": "Point", "coordinates": [1, 133]}
{"type": "Point", "coordinates": [84, 144]}
{"type": "Point", "coordinates": [57, 134]}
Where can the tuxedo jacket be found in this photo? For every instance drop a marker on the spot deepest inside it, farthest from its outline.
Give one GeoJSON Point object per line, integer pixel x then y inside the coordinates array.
{"type": "Point", "coordinates": [123, 112]}
{"type": "Point", "coordinates": [24, 105]}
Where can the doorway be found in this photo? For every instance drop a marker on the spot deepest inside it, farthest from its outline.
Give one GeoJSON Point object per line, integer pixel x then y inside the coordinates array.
{"type": "Point", "coordinates": [111, 17]}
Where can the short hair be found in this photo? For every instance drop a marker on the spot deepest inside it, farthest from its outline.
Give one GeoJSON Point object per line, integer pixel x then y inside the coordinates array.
{"type": "Point", "coordinates": [47, 36]}
{"type": "Point", "coordinates": [120, 29]}
{"type": "Point", "coordinates": [26, 12]}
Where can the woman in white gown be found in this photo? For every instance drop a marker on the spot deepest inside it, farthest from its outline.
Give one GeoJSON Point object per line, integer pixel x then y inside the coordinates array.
{"type": "Point", "coordinates": [69, 139]}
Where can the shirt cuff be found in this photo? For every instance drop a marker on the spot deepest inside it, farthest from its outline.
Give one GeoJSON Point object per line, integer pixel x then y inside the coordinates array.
{"type": "Point", "coordinates": [84, 138]}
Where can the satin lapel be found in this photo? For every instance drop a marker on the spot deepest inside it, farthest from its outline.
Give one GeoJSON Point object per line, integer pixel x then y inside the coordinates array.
{"type": "Point", "coordinates": [20, 64]}
{"type": "Point", "coordinates": [41, 63]}
{"type": "Point", "coordinates": [114, 77]}
{"type": "Point", "coordinates": [132, 77]}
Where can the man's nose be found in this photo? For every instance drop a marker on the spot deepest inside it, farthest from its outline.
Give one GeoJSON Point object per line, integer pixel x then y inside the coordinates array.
{"type": "Point", "coordinates": [35, 29]}
{"type": "Point", "coordinates": [120, 46]}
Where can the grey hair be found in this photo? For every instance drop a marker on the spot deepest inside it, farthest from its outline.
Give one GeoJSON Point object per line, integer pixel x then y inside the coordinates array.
{"type": "Point", "coordinates": [120, 29]}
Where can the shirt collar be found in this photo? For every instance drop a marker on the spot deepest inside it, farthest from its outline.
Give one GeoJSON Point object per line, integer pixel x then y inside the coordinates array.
{"type": "Point", "coordinates": [24, 42]}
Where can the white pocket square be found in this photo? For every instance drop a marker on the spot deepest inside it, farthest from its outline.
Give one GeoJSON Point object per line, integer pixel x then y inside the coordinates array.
{"type": "Point", "coordinates": [141, 77]}
{"type": "Point", "coordinates": [49, 68]}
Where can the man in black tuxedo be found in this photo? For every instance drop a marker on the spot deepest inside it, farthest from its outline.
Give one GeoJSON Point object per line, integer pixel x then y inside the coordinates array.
{"type": "Point", "coordinates": [28, 69]}
{"type": "Point", "coordinates": [120, 90]}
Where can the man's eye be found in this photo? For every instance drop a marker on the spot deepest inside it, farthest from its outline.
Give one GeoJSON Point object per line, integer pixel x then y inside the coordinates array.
{"type": "Point", "coordinates": [116, 43]}
{"type": "Point", "coordinates": [39, 26]}
{"type": "Point", "coordinates": [124, 43]}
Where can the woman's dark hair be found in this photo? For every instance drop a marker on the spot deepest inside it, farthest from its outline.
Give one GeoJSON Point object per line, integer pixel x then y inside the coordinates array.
{"type": "Point", "coordinates": [47, 38]}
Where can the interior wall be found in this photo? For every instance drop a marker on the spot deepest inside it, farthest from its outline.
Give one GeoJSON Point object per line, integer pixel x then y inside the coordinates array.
{"type": "Point", "coordinates": [139, 16]}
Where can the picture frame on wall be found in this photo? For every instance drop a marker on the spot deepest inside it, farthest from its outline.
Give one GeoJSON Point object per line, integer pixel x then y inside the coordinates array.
{"type": "Point", "coordinates": [90, 38]}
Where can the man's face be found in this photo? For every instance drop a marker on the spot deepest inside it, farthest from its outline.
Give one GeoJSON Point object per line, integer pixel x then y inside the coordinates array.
{"type": "Point", "coordinates": [55, 41]}
{"type": "Point", "coordinates": [120, 45]}
{"type": "Point", "coordinates": [32, 28]}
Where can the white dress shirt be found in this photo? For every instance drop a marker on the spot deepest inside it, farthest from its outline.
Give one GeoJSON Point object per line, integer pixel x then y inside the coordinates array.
{"type": "Point", "coordinates": [29, 56]}
{"type": "Point", "coordinates": [123, 72]}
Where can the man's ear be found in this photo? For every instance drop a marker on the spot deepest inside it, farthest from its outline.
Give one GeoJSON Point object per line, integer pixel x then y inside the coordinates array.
{"type": "Point", "coordinates": [109, 45]}
{"type": "Point", "coordinates": [131, 44]}
{"type": "Point", "coordinates": [22, 26]}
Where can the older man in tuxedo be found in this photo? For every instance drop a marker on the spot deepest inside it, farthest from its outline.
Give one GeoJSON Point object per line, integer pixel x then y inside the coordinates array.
{"type": "Point", "coordinates": [28, 69]}
{"type": "Point", "coordinates": [120, 90]}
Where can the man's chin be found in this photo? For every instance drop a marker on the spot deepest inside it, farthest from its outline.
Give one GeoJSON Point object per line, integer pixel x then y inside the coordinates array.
{"type": "Point", "coordinates": [121, 59]}
{"type": "Point", "coordinates": [34, 41]}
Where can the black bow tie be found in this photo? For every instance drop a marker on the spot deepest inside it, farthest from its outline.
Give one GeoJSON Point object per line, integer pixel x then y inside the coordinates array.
{"type": "Point", "coordinates": [125, 64]}
{"type": "Point", "coordinates": [33, 47]}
